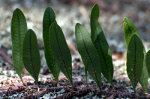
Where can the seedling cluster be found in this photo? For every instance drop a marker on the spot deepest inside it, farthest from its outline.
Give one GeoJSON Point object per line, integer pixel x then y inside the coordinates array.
{"type": "Point", "coordinates": [93, 48]}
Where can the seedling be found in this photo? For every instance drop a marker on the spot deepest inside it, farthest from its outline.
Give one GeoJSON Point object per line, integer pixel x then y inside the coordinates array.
{"type": "Point", "coordinates": [129, 31]}
{"type": "Point", "coordinates": [102, 54]}
{"type": "Point", "coordinates": [100, 43]}
{"type": "Point", "coordinates": [48, 19]}
{"type": "Point", "coordinates": [18, 31]}
{"type": "Point", "coordinates": [135, 58]}
{"type": "Point", "coordinates": [31, 55]}
{"type": "Point", "coordinates": [60, 50]}
{"type": "Point", "coordinates": [88, 53]}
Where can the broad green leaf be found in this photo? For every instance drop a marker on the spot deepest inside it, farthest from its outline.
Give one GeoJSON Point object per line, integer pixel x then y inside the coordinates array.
{"type": "Point", "coordinates": [48, 19]}
{"type": "Point", "coordinates": [31, 54]}
{"type": "Point", "coordinates": [88, 53]}
{"type": "Point", "coordinates": [18, 31]}
{"type": "Point", "coordinates": [94, 21]}
{"type": "Point", "coordinates": [129, 30]}
{"type": "Point", "coordinates": [60, 50]}
{"type": "Point", "coordinates": [148, 61]}
{"type": "Point", "coordinates": [101, 45]}
{"type": "Point", "coordinates": [135, 59]}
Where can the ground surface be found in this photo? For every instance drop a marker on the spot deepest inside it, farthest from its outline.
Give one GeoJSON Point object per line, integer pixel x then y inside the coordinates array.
{"type": "Point", "coordinates": [68, 13]}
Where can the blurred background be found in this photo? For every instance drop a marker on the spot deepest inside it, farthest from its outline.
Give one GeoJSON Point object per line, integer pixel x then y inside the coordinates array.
{"type": "Point", "coordinates": [70, 12]}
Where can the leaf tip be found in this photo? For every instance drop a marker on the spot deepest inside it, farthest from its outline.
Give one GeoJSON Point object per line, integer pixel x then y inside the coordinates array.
{"type": "Point", "coordinates": [30, 30]}
{"type": "Point", "coordinates": [17, 10]}
{"type": "Point", "coordinates": [77, 25]}
{"type": "Point", "coordinates": [125, 20]}
{"type": "Point", "coordinates": [50, 11]}
{"type": "Point", "coordinates": [96, 6]}
{"type": "Point", "coordinates": [95, 11]}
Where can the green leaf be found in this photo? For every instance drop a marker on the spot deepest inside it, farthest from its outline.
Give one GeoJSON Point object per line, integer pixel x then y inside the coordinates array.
{"type": "Point", "coordinates": [129, 31]}
{"type": "Point", "coordinates": [135, 59]}
{"type": "Point", "coordinates": [148, 61]}
{"type": "Point", "coordinates": [18, 31]}
{"type": "Point", "coordinates": [144, 77]}
{"type": "Point", "coordinates": [31, 55]}
{"type": "Point", "coordinates": [48, 19]}
{"type": "Point", "coordinates": [86, 74]}
{"type": "Point", "coordinates": [60, 50]}
{"type": "Point", "coordinates": [101, 45]}
{"type": "Point", "coordinates": [94, 21]}
{"type": "Point", "coordinates": [88, 53]}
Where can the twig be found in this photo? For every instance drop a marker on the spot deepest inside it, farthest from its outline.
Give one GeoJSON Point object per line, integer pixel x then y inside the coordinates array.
{"type": "Point", "coordinates": [11, 90]}
{"type": "Point", "coordinates": [39, 94]}
{"type": "Point", "coordinates": [72, 48]}
{"type": "Point", "coordinates": [6, 58]}
{"type": "Point", "coordinates": [78, 92]}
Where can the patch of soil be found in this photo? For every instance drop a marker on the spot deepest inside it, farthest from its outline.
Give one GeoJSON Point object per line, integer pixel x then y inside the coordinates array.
{"type": "Point", "coordinates": [63, 90]}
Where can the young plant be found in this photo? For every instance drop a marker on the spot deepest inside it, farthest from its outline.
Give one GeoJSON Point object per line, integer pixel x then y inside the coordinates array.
{"type": "Point", "coordinates": [31, 55]}
{"type": "Point", "coordinates": [60, 50]}
{"type": "Point", "coordinates": [129, 31]}
{"type": "Point", "coordinates": [18, 31]}
{"type": "Point", "coordinates": [48, 19]}
{"type": "Point", "coordinates": [100, 43]}
{"type": "Point", "coordinates": [88, 53]}
{"type": "Point", "coordinates": [135, 59]}
{"type": "Point", "coordinates": [148, 62]}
